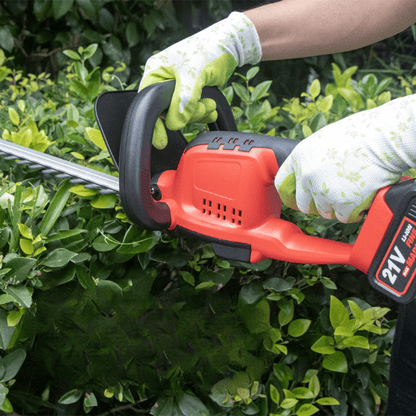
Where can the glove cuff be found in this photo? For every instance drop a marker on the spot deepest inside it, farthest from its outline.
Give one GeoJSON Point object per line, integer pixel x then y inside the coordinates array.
{"type": "Point", "coordinates": [243, 42]}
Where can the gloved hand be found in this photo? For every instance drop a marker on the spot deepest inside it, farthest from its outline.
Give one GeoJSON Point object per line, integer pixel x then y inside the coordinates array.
{"type": "Point", "coordinates": [207, 58]}
{"type": "Point", "coordinates": [337, 171]}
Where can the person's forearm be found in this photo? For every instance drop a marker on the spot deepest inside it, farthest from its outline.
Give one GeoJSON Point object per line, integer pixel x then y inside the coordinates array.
{"type": "Point", "coordinates": [299, 28]}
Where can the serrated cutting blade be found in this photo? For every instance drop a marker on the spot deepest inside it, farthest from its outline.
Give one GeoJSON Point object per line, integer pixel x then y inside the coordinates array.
{"type": "Point", "coordinates": [60, 168]}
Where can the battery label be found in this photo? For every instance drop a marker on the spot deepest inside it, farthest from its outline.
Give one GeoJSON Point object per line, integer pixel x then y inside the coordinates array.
{"type": "Point", "coordinates": [398, 267]}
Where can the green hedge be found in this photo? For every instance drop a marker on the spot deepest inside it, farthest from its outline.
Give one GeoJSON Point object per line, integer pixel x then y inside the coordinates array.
{"type": "Point", "coordinates": [97, 315]}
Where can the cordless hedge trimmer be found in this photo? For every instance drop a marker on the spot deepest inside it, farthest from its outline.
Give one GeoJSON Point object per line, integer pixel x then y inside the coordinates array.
{"type": "Point", "coordinates": [219, 188]}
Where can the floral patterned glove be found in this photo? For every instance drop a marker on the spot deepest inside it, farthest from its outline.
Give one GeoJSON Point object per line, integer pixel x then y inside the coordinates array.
{"type": "Point", "coordinates": [337, 171]}
{"type": "Point", "coordinates": [207, 58]}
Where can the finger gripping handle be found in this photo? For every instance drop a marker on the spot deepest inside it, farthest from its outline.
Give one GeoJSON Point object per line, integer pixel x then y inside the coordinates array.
{"type": "Point", "coordinates": [136, 146]}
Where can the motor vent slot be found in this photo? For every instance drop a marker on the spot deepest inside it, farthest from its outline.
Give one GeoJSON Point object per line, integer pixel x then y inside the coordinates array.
{"type": "Point", "coordinates": [222, 212]}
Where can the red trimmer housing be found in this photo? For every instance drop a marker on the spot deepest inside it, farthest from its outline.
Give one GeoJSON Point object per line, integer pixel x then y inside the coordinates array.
{"type": "Point", "coordinates": [220, 188]}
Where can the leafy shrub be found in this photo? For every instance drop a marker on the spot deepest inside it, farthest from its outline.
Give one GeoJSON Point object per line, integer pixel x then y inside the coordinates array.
{"type": "Point", "coordinates": [97, 314]}
{"type": "Point", "coordinates": [37, 32]}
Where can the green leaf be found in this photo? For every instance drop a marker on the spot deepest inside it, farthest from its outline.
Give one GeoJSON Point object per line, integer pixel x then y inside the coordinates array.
{"type": "Point", "coordinates": [298, 327]}
{"type": "Point", "coordinates": [325, 104]}
{"type": "Point", "coordinates": [20, 268]}
{"type": "Point", "coordinates": [71, 396]}
{"type": "Point", "coordinates": [72, 54]}
{"type": "Point", "coordinates": [104, 201]}
{"type": "Point", "coordinates": [89, 52]}
{"type": "Point", "coordinates": [6, 406]}
{"type": "Point", "coordinates": [132, 35]}
{"type": "Point", "coordinates": [286, 312]}
{"type": "Point", "coordinates": [315, 89]}
{"type": "Point", "coordinates": [306, 130]}
{"type": "Point", "coordinates": [188, 277]}
{"type": "Point", "coordinates": [85, 278]}
{"type": "Point", "coordinates": [106, 19]}
{"type": "Point", "coordinates": [338, 313]}
{"type": "Point", "coordinates": [205, 285]}
{"type": "Point", "coordinates": [277, 284]}
{"type": "Point", "coordinates": [90, 8]}
{"type": "Point", "coordinates": [25, 231]}
{"type": "Point", "coordinates": [58, 258]}
{"type": "Point", "coordinates": [260, 90]}
{"type": "Point", "coordinates": [257, 316]}
{"type": "Point", "coordinates": [166, 407]}
{"type": "Point", "coordinates": [250, 294]}
{"type": "Point", "coordinates": [302, 393]}
{"type": "Point", "coordinates": [55, 208]}
{"type": "Point", "coordinates": [317, 121]}
{"type": "Point", "coordinates": [336, 362]}
{"type": "Point", "coordinates": [382, 85]}
{"type": "Point", "coordinates": [94, 85]}
{"type": "Point", "coordinates": [80, 190]}
{"type": "Point", "coordinates": [6, 38]}
{"type": "Point", "coordinates": [12, 363]}
{"type": "Point", "coordinates": [21, 294]}
{"type": "Point", "coordinates": [6, 332]}
{"type": "Point", "coordinates": [113, 48]}
{"type": "Point", "coordinates": [307, 409]}
{"type": "Point", "coordinates": [138, 241]}
{"type": "Point", "coordinates": [62, 235]}
{"type": "Point", "coordinates": [324, 345]}
{"type": "Point", "coordinates": [363, 401]}
{"type": "Point", "coordinates": [327, 401]}
{"type": "Point", "coordinates": [191, 405]}
{"type": "Point", "coordinates": [90, 400]}
{"type": "Point", "coordinates": [289, 403]}
{"type": "Point", "coordinates": [314, 385]}
{"type": "Point", "coordinates": [357, 341]}
{"type": "Point", "coordinates": [3, 392]}
{"type": "Point", "coordinates": [14, 116]}
{"type": "Point", "coordinates": [241, 91]}
{"type": "Point", "coordinates": [345, 331]}
{"type": "Point", "coordinates": [104, 243]}
{"type": "Point", "coordinates": [26, 246]}
{"type": "Point", "coordinates": [252, 72]}
{"type": "Point", "coordinates": [95, 136]}
{"type": "Point", "coordinates": [283, 373]}
{"type": "Point", "coordinates": [80, 89]}
{"type": "Point", "coordinates": [108, 295]}
{"type": "Point", "coordinates": [274, 394]}
{"type": "Point", "coordinates": [61, 8]}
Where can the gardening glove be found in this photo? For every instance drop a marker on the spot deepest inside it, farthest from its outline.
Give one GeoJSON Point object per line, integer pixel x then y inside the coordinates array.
{"type": "Point", "coordinates": [207, 58]}
{"type": "Point", "coordinates": [337, 171]}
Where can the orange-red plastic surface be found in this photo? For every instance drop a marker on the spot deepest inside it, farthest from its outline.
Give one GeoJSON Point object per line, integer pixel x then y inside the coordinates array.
{"type": "Point", "coordinates": [230, 195]}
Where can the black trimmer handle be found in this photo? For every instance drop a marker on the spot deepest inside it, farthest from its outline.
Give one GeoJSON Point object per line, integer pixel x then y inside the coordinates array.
{"type": "Point", "coordinates": [136, 146]}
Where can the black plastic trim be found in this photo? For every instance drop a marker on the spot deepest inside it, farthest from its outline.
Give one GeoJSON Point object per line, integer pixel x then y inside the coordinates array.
{"type": "Point", "coordinates": [245, 142]}
{"type": "Point", "coordinates": [230, 250]}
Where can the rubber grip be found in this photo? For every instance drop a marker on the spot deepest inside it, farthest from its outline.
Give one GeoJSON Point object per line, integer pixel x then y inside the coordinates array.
{"type": "Point", "coordinates": [136, 146]}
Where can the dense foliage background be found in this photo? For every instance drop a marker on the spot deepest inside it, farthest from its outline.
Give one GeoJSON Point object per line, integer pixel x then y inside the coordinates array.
{"type": "Point", "coordinates": [100, 317]}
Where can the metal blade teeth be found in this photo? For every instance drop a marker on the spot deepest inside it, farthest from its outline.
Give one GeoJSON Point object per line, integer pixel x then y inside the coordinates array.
{"type": "Point", "coordinates": [49, 171]}
{"type": "Point", "coordinates": [105, 192]}
{"type": "Point", "coordinates": [77, 181]}
{"type": "Point", "coordinates": [65, 173]}
{"type": "Point", "coordinates": [92, 186]}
